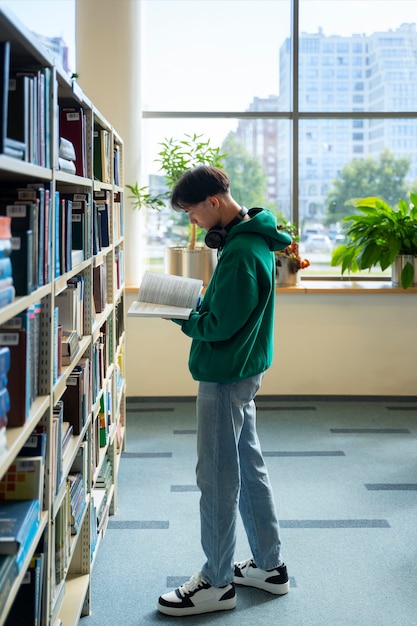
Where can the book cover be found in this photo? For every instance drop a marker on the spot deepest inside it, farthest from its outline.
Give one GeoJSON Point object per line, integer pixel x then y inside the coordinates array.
{"type": "Point", "coordinates": [4, 91]}
{"type": "Point", "coordinates": [103, 222]}
{"type": "Point", "coordinates": [18, 376]}
{"type": "Point", "coordinates": [35, 445]}
{"type": "Point", "coordinates": [5, 268]}
{"type": "Point", "coordinates": [67, 302]}
{"type": "Point", "coordinates": [17, 519]}
{"type": "Point", "coordinates": [7, 295]}
{"type": "Point", "coordinates": [18, 111]}
{"type": "Point", "coordinates": [4, 397]}
{"type": "Point", "coordinates": [72, 128]}
{"type": "Point", "coordinates": [22, 262]}
{"type": "Point", "coordinates": [8, 573]}
{"type": "Point", "coordinates": [5, 225]}
{"type": "Point", "coordinates": [73, 401]}
{"type": "Point", "coordinates": [166, 295]}
{"type": "Point", "coordinates": [37, 193]}
{"type": "Point", "coordinates": [4, 360]}
{"type": "Point", "coordinates": [26, 608]}
{"type": "Point", "coordinates": [99, 287]}
{"type": "Point", "coordinates": [24, 479]}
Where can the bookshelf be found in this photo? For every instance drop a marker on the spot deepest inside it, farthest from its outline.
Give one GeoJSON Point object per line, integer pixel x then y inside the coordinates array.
{"type": "Point", "coordinates": [61, 162]}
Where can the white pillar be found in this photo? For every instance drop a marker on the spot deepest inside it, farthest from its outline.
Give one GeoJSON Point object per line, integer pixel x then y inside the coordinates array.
{"type": "Point", "coordinates": [108, 64]}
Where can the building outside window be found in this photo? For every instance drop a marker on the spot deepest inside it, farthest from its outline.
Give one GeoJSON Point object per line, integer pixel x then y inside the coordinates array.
{"type": "Point", "coordinates": [225, 70]}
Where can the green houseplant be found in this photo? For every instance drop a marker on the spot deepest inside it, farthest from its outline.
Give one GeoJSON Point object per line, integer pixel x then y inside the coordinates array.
{"type": "Point", "coordinates": [378, 235]}
{"type": "Point", "coordinates": [176, 157]}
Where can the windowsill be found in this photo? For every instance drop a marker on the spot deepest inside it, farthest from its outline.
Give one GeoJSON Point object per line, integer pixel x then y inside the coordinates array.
{"type": "Point", "coordinates": [345, 286]}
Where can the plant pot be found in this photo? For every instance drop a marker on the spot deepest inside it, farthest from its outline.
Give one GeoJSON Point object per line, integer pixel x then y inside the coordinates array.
{"type": "Point", "coordinates": [197, 263]}
{"type": "Point", "coordinates": [287, 275]}
{"type": "Point", "coordinates": [398, 266]}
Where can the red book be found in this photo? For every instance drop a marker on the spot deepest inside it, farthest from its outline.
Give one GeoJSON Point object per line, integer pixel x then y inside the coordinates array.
{"type": "Point", "coordinates": [72, 127]}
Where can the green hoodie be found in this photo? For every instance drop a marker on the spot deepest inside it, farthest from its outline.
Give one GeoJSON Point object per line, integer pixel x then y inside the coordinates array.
{"type": "Point", "coordinates": [232, 331]}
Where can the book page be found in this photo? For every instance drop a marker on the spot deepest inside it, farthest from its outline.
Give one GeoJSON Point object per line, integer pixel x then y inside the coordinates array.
{"type": "Point", "coordinates": [177, 291]}
{"type": "Point", "coordinates": [147, 309]}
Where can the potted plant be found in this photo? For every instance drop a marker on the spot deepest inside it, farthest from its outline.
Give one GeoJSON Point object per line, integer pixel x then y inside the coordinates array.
{"type": "Point", "coordinates": [176, 157]}
{"type": "Point", "coordinates": [289, 260]}
{"type": "Point", "coordinates": [381, 235]}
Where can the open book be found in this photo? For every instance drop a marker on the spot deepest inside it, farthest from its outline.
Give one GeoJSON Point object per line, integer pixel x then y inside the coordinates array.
{"type": "Point", "coordinates": [166, 295]}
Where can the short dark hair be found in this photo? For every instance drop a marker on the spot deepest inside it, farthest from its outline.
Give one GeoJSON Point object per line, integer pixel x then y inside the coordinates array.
{"type": "Point", "coordinates": [197, 184]}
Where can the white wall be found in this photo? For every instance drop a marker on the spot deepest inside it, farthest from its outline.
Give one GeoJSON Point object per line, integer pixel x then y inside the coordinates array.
{"type": "Point", "coordinates": [325, 344]}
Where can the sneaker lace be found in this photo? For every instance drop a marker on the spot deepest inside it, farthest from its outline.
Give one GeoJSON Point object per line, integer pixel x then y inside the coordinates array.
{"type": "Point", "coordinates": [193, 584]}
{"type": "Point", "coordinates": [244, 564]}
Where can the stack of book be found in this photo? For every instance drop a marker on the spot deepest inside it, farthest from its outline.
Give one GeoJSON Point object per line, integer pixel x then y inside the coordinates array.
{"type": "Point", "coordinates": [7, 289]}
{"type": "Point", "coordinates": [66, 156]}
{"type": "Point", "coordinates": [19, 522]}
{"type": "Point", "coordinates": [77, 500]}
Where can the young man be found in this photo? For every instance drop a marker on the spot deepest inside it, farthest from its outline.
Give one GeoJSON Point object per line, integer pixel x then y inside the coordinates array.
{"type": "Point", "coordinates": [232, 346]}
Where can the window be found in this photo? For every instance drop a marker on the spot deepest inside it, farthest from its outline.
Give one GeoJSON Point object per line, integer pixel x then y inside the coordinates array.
{"type": "Point", "coordinates": [194, 85]}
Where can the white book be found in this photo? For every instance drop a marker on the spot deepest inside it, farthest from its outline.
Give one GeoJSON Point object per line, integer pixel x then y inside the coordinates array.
{"type": "Point", "coordinates": [166, 295]}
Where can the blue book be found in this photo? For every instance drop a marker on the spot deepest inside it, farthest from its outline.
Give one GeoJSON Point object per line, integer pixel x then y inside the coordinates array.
{"type": "Point", "coordinates": [4, 400]}
{"type": "Point", "coordinates": [4, 359]}
{"type": "Point", "coordinates": [19, 521]}
{"type": "Point", "coordinates": [27, 543]}
{"type": "Point", "coordinates": [7, 296]}
{"type": "Point", "coordinates": [5, 267]}
{"type": "Point", "coordinates": [58, 270]}
{"type": "Point", "coordinates": [8, 573]}
{"type": "Point", "coordinates": [35, 445]}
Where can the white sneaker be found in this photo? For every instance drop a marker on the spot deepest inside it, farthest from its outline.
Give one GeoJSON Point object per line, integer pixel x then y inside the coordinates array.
{"type": "Point", "coordinates": [275, 581]}
{"type": "Point", "coordinates": [197, 596]}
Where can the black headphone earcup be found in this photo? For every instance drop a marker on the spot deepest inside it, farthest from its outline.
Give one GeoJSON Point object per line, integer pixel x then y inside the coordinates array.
{"type": "Point", "coordinates": [215, 237]}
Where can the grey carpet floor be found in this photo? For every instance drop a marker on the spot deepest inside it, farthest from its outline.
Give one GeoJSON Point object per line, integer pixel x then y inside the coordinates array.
{"type": "Point", "coordinates": [344, 475]}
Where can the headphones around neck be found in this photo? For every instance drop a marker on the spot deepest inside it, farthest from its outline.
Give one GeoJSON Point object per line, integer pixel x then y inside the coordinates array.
{"type": "Point", "coordinates": [216, 236]}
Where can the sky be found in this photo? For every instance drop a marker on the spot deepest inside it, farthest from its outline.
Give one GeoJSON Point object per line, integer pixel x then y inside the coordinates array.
{"type": "Point", "coordinates": [217, 28]}
{"type": "Point", "coordinates": [216, 54]}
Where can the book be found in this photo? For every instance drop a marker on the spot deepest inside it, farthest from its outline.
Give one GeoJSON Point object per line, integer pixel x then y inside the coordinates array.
{"type": "Point", "coordinates": [17, 520]}
{"type": "Point", "coordinates": [4, 396]}
{"type": "Point", "coordinates": [66, 149]}
{"type": "Point", "coordinates": [26, 608]}
{"type": "Point", "coordinates": [22, 262]}
{"type": "Point", "coordinates": [18, 375]}
{"type": "Point", "coordinates": [4, 91]}
{"type": "Point", "coordinates": [69, 346]}
{"type": "Point", "coordinates": [73, 128]}
{"type": "Point", "coordinates": [24, 480]}
{"type": "Point", "coordinates": [8, 573]}
{"type": "Point", "coordinates": [166, 295]}
{"type": "Point", "coordinates": [73, 401]}
{"type": "Point", "coordinates": [9, 146]}
{"type": "Point", "coordinates": [101, 155]}
{"type": "Point", "coordinates": [18, 111]}
{"type": "Point", "coordinates": [5, 268]}
{"type": "Point", "coordinates": [4, 360]}
{"type": "Point", "coordinates": [66, 165]}
{"type": "Point", "coordinates": [7, 295]}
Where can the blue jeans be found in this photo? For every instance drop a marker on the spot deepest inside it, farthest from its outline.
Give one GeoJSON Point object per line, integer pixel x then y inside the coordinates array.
{"type": "Point", "coordinates": [231, 474]}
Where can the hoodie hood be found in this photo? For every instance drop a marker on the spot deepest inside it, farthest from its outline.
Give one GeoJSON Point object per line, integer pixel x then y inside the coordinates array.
{"type": "Point", "coordinates": [263, 222]}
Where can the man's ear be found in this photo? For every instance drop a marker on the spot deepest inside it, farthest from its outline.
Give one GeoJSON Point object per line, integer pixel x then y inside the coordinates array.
{"type": "Point", "coordinates": [214, 201]}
